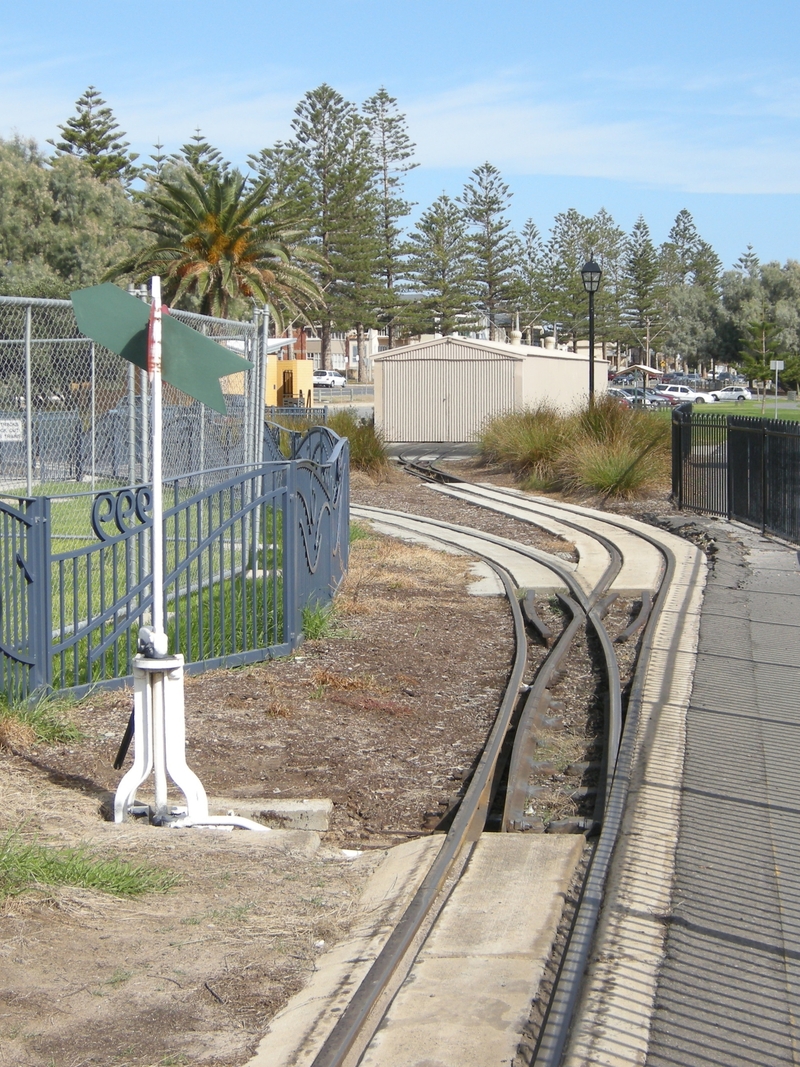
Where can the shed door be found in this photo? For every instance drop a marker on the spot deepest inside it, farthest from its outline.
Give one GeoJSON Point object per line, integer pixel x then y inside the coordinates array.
{"type": "Point", "coordinates": [444, 399]}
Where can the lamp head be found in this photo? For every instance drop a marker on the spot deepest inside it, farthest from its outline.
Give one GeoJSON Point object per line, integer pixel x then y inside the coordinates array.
{"type": "Point", "coordinates": [590, 273]}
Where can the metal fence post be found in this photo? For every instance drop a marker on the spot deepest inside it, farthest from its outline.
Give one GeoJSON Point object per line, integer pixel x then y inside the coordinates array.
{"type": "Point", "coordinates": [291, 554]}
{"type": "Point", "coordinates": [36, 567]}
{"type": "Point", "coordinates": [28, 403]}
{"type": "Point", "coordinates": [764, 489]}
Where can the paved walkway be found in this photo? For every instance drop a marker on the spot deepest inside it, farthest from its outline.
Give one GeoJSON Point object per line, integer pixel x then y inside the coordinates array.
{"type": "Point", "coordinates": [729, 989]}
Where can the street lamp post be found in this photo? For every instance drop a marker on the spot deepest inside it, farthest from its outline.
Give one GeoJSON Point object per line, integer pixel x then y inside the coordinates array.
{"type": "Point", "coordinates": [590, 274]}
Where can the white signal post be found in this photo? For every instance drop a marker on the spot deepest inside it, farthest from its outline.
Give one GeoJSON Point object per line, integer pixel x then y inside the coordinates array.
{"type": "Point", "coordinates": [776, 365]}
{"type": "Point", "coordinates": [158, 704]}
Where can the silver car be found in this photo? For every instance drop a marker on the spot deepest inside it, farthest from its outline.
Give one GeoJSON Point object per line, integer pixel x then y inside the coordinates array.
{"type": "Point", "coordinates": [732, 392]}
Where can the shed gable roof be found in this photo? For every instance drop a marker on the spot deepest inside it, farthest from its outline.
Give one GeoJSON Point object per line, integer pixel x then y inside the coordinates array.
{"type": "Point", "coordinates": [454, 348]}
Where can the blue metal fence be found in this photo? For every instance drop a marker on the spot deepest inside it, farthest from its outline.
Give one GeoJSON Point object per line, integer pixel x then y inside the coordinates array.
{"type": "Point", "coordinates": [246, 549]}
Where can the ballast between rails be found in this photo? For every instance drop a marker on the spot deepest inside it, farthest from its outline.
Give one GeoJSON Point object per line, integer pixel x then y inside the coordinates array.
{"type": "Point", "coordinates": [466, 828]}
{"type": "Point", "coordinates": [560, 1012]}
{"type": "Point", "coordinates": [345, 1043]}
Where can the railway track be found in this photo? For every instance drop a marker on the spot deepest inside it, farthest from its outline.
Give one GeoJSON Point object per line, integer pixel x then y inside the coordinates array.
{"type": "Point", "coordinates": [616, 556]}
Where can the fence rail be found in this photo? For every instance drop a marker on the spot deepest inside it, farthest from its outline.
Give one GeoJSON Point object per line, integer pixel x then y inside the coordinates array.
{"type": "Point", "coordinates": [246, 550]}
{"type": "Point", "coordinates": [747, 469]}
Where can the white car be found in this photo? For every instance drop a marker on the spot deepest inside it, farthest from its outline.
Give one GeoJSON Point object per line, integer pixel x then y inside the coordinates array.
{"type": "Point", "coordinates": [329, 379]}
{"type": "Point", "coordinates": [682, 394]}
{"type": "Point", "coordinates": [732, 392]}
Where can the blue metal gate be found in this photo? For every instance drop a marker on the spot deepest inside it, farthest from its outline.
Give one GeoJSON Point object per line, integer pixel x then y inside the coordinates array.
{"type": "Point", "coordinates": [245, 551]}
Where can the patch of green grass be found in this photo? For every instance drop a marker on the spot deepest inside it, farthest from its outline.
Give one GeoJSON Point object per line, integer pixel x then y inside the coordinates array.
{"type": "Point", "coordinates": [360, 531]}
{"type": "Point", "coordinates": [317, 621]}
{"type": "Point", "coordinates": [750, 408]}
{"type": "Point", "coordinates": [26, 865]}
{"type": "Point", "coordinates": [47, 722]}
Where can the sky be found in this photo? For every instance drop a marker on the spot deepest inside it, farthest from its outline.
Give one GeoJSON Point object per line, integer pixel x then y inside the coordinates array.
{"type": "Point", "coordinates": [640, 110]}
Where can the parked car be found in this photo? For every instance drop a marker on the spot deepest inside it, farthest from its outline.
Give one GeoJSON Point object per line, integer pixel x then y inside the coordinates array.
{"type": "Point", "coordinates": [732, 392]}
{"type": "Point", "coordinates": [646, 398]}
{"type": "Point", "coordinates": [682, 394]}
{"type": "Point", "coordinates": [329, 379]}
{"type": "Point", "coordinates": [619, 395]}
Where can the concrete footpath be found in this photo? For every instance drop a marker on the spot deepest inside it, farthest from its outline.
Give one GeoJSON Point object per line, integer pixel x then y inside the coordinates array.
{"type": "Point", "coordinates": [728, 992]}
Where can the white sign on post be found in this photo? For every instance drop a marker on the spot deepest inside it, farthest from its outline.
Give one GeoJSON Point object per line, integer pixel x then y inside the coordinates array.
{"type": "Point", "coordinates": [11, 430]}
{"type": "Point", "coordinates": [776, 365]}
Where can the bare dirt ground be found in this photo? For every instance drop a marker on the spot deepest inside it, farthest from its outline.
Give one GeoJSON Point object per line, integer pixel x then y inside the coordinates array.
{"type": "Point", "coordinates": [385, 715]}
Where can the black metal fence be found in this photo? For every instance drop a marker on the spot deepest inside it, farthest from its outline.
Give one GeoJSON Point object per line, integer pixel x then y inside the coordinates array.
{"type": "Point", "coordinates": [747, 469]}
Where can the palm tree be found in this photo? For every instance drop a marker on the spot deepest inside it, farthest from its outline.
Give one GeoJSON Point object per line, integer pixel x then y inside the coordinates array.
{"type": "Point", "coordinates": [219, 241]}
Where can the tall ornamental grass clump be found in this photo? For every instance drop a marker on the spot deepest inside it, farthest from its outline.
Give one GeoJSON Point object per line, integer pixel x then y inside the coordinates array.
{"type": "Point", "coordinates": [603, 448]}
{"type": "Point", "coordinates": [367, 447]}
{"type": "Point", "coordinates": [526, 442]}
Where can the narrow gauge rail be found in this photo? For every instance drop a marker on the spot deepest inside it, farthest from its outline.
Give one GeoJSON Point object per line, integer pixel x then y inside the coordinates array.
{"type": "Point", "coordinates": [356, 1025]}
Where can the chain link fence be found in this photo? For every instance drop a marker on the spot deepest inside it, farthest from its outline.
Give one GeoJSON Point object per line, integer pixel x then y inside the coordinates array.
{"type": "Point", "coordinates": [74, 416]}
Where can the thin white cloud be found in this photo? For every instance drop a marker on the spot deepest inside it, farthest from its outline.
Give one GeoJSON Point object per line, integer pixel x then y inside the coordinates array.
{"type": "Point", "coordinates": [493, 120]}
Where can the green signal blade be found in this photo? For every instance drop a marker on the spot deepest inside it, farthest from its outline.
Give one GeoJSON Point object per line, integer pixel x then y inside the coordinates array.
{"type": "Point", "coordinates": [190, 361]}
{"type": "Point", "coordinates": [114, 319]}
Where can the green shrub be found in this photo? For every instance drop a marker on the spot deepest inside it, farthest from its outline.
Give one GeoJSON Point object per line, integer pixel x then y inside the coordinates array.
{"type": "Point", "coordinates": [604, 448]}
{"type": "Point", "coordinates": [526, 442]}
{"type": "Point", "coordinates": [367, 447]}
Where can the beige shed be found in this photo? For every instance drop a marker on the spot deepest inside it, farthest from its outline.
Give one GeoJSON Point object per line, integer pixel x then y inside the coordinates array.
{"type": "Point", "coordinates": [445, 389]}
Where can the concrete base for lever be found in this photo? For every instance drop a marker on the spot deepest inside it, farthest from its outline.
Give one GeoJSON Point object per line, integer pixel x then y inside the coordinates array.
{"type": "Point", "coordinates": [160, 748]}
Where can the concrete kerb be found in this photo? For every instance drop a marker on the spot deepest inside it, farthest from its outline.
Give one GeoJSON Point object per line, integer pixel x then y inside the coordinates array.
{"type": "Point", "coordinates": [299, 1030]}
{"type": "Point", "coordinates": [613, 1021]}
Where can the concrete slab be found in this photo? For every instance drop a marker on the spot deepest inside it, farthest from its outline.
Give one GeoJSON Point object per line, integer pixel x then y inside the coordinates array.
{"type": "Point", "coordinates": [285, 814]}
{"type": "Point", "coordinates": [527, 573]}
{"type": "Point", "coordinates": [468, 995]}
{"type": "Point", "coordinates": [299, 1030]}
{"type": "Point", "coordinates": [642, 564]}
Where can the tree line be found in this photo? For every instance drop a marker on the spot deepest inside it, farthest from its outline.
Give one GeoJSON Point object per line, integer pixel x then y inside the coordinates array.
{"type": "Point", "coordinates": [319, 229]}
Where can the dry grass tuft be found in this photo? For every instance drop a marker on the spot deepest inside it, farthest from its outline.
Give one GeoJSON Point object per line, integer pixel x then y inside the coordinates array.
{"type": "Point", "coordinates": [332, 680]}
{"type": "Point", "coordinates": [276, 709]}
{"type": "Point", "coordinates": [15, 734]}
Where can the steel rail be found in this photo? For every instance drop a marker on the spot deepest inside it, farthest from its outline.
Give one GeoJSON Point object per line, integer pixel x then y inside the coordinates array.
{"type": "Point", "coordinates": [560, 1011]}
{"type": "Point", "coordinates": [466, 828]}
{"type": "Point", "coordinates": [592, 605]}
{"type": "Point", "coordinates": [525, 742]}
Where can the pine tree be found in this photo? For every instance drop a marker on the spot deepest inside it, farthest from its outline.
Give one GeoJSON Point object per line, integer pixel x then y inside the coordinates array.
{"type": "Point", "coordinates": [338, 188]}
{"type": "Point", "coordinates": [531, 296]}
{"type": "Point", "coordinates": [438, 271]}
{"type": "Point", "coordinates": [748, 262]}
{"type": "Point", "coordinates": [201, 157]}
{"type": "Point", "coordinates": [684, 238]}
{"type": "Point", "coordinates": [494, 247]}
{"type": "Point", "coordinates": [280, 169]}
{"type": "Point", "coordinates": [154, 169]}
{"type": "Point", "coordinates": [569, 247]}
{"type": "Point", "coordinates": [641, 275]}
{"type": "Point", "coordinates": [607, 242]}
{"type": "Point", "coordinates": [760, 345]}
{"type": "Point", "coordinates": [93, 135]}
{"type": "Point", "coordinates": [392, 150]}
